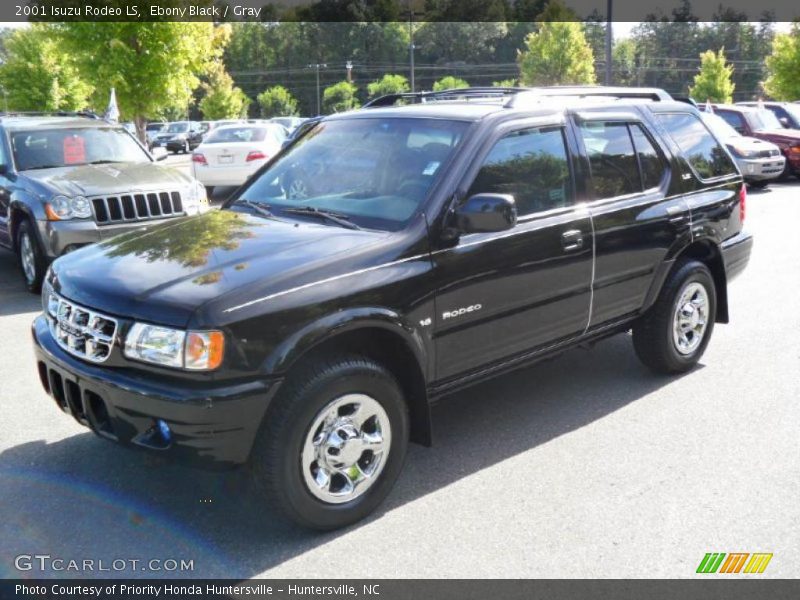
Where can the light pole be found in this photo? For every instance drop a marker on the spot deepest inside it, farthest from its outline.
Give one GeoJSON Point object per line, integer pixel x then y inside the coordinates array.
{"type": "Point", "coordinates": [318, 66]}
{"type": "Point", "coordinates": [609, 40]}
{"type": "Point", "coordinates": [411, 46]}
{"type": "Point", "coordinates": [349, 66]}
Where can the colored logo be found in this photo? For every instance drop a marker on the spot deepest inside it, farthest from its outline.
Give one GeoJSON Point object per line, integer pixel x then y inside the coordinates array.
{"type": "Point", "coordinates": [735, 562]}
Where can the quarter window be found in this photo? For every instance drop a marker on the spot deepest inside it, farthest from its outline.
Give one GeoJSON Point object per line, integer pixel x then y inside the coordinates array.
{"type": "Point", "coordinates": [700, 148]}
{"type": "Point", "coordinates": [532, 165]}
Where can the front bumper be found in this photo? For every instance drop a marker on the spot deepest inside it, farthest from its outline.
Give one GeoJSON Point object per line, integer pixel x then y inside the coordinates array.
{"type": "Point", "coordinates": [760, 169]}
{"type": "Point", "coordinates": [213, 427]}
{"type": "Point", "coordinates": [58, 236]}
{"type": "Point", "coordinates": [736, 254]}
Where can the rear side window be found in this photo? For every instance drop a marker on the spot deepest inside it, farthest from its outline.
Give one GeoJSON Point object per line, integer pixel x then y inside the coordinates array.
{"type": "Point", "coordinates": [615, 171]}
{"type": "Point", "coordinates": [532, 166]}
{"type": "Point", "coordinates": [651, 163]}
{"type": "Point", "coordinates": [733, 119]}
{"type": "Point", "coordinates": [699, 147]}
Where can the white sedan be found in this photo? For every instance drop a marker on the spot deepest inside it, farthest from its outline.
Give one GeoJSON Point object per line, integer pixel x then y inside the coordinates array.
{"type": "Point", "coordinates": [230, 154]}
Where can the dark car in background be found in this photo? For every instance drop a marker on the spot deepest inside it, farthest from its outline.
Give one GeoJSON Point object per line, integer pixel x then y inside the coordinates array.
{"type": "Point", "coordinates": [66, 182]}
{"type": "Point", "coordinates": [179, 136]}
{"type": "Point", "coordinates": [309, 334]}
{"type": "Point", "coordinates": [763, 124]}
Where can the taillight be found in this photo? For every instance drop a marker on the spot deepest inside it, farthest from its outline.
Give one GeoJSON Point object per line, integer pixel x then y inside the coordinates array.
{"type": "Point", "coordinates": [199, 158]}
{"type": "Point", "coordinates": [255, 155]}
{"type": "Point", "coordinates": [742, 203]}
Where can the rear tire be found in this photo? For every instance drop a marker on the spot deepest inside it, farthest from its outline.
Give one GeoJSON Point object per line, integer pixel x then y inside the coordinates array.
{"type": "Point", "coordinates": [672, 336]}
{"type": "Point", "coordinates": [314, 459]}
{"type": "Point", "coordinates": [31, 257]}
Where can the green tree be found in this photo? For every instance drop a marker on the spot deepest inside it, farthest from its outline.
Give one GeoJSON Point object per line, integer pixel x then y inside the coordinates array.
{"type": "Point", "coordinates": [388, 84]}
{"type": "Point", "coordinates": [38, 75]}
{"type": "Point", "coordinates": [276, 101]}
{"type": "Point", "coordinates": [556, 54]}
{"type": "Point", "coordinates": [506, 83]}
{"type": "Point", "coordinates": [783, 66]}
{"type": "Point", "coordinates": [624, 57]}
{"type": "Point", "coordinates": [222, 100]}
{"type": "Point", "coordinates": [713, 82]}
{"type": "Point", "coordinates": [340, 97]}
{"type": "Point", "coordinates": [449, 83]}
{"type": "Point", "coordinates": [153, 66]}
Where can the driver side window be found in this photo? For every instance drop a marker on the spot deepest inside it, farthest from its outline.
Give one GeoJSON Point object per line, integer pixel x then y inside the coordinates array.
{"type": "Point", "coordinates": [532, 165]}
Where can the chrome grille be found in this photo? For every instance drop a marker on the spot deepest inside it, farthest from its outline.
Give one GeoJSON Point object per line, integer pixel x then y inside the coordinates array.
{"type": "Point", "coordinates": [768, 153]}
{"type": "Point", "coordinates": [124, 208]}
{"type": "Point", "coordinates": [82, 332]}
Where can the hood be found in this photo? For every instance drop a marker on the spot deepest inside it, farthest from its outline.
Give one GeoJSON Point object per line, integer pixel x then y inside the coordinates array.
{"type": "Point", "coordinates": [164, 273]}
{"type": "Point", "coordinates": [102, 180]}
{"type": "Point", "coordinates": [751, 144]}
{"type": "Point", "coordinates": [780, 136]}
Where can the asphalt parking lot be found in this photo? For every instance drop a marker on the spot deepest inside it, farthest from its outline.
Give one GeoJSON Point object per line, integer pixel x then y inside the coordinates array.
{"type": "Point", "coordinates": [586, 466]}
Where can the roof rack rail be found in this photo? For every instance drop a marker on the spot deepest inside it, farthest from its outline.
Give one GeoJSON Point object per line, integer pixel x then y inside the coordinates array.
{"type": "Point", "coordinates": [420, 97]}
{"type": "Point", "coordinates": [589, 91]}
{"type": "Point", "coordinates": [87, 114]}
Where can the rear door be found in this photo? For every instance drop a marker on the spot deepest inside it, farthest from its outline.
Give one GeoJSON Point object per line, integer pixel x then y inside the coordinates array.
{"type": "Point", "coordinates": [504, 294]}
{"type": "Point", "coordinates": [637, 210]}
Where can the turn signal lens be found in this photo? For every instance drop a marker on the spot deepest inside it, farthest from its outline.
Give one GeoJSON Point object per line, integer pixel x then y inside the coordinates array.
{"type": "Point", "coordinates": [794, 149]}
{"type": "Point", "coordinates": [51, 214]}
{"type": "Point", "coordinates": [204, 349]}
{"type": "Point", "coordinates": [742, 203]}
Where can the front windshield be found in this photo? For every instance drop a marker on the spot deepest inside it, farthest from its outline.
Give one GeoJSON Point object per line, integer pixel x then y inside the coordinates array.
{"type": "Point", "coordinates": [375, 171]}
{"type": "Point", "coordinates": [719, 127]}
{"type": "Point", "coordinates": [67, 147]}
{"type": "Point", "coordinates": [155, 127]}
{"type": "Point", "coordinates": [765, 119]}
{"type": "Point", "coordinates": [177, 128]}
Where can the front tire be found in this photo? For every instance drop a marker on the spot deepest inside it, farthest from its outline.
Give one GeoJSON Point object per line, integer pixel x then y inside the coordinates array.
{"type": "Point", "coordinates": [672, 336]}
{"type": "Point", "coordinates": [31, 257]}
{"type": "Point", "coordinates": [333, 443]}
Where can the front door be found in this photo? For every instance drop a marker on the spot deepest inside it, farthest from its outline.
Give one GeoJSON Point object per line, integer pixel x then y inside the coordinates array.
{"type": "Point", "coordinates": [501, 295]}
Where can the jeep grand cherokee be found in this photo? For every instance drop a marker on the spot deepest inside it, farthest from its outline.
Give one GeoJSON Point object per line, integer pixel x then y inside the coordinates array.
{"type": "Point", "coordinates": [435, 244]}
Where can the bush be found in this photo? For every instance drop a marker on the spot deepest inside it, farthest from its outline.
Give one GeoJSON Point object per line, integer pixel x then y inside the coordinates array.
{"type": "Point", "coordinates": [340, 97]}
{"type": "Point", "coordinates": [388, 84]}
{"type": "Point", "coordinates": [449, 83]}
{"type": "Point", "coordinates": [277, 102]}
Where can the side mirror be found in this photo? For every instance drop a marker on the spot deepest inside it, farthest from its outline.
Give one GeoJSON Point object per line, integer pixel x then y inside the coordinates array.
{"type": "Point", "coordinates": [159, 153]}
{"type": "Point", "coordinates": [485, 213]}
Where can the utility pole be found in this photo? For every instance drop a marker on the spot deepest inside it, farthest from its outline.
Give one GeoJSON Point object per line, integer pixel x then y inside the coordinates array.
{"type": "Point", "coordinates": [411, 47]}
{"type": "Point", "coordinates": [349, 66]}
{"type": "Point", "coordinates": [318, 66]}
{"type": "Point", "coordinates": [609, 40]}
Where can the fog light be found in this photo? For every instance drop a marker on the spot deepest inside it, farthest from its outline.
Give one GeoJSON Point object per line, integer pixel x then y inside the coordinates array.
{"type": "Point", "coordinates": [165, 431]}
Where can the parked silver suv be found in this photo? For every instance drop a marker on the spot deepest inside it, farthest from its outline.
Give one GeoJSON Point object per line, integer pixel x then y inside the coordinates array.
{"type": "Point", "coordinates": [70, 181]}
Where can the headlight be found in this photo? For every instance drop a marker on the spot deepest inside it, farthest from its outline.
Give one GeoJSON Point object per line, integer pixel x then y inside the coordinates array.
{"type": "Point", "coordinates": [743, 152]}
{"type": "Point", "coordinates": [194, 350]}
{"type": "Point", "coordinates": [64, 208]}
{"type": "Point", "coordinates": [197, 197]}
{"type": "Point", "coordinates": [794, 149]}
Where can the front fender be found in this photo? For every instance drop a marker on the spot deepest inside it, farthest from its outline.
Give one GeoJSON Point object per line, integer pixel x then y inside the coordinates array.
{"type": "Point", "coordinates": [312, 335]}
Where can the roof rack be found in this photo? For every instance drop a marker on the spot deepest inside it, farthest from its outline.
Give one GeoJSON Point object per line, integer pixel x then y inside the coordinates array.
{"type": "Point", "coordinates": [87, 114]}
{"type": "Point", "coordinates": [421, 97]}
{"type": "Point", "coordinates": [520, 95]}
{"type": "Point", "coordinates": [589, 91]}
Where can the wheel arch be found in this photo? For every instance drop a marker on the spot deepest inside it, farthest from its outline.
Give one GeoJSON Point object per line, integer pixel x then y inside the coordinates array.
{"type": "Point", "coordinates": [377, 335]}
{"type": "Point", "coordinates": [706, 251]}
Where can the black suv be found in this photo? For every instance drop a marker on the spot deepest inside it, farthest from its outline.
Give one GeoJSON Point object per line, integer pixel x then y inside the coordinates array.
{"type": "Point", "coordinates": [450, 240]}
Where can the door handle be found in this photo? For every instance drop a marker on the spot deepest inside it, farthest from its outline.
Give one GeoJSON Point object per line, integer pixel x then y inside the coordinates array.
{"type": "Point", "coordinates": [572, 240]}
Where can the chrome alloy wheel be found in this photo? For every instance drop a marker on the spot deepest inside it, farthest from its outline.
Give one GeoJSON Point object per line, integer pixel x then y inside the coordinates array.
{"type": "Point", "coordinates": [346, 448]}
{"type": "Point", "coordinates": [690, 318]}
{"type": "Point", "coordinates": [27, 257]}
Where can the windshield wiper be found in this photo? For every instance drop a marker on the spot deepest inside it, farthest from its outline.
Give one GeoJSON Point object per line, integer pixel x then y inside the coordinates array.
{"type": "Point", "coordinates": [42, 167]}
{"type": "Point", "coordinates": [261, 209]}
{"type": "Point", "coordinates": [103, 161]}
{"type": "Point", "coordinates": [333, 217]}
